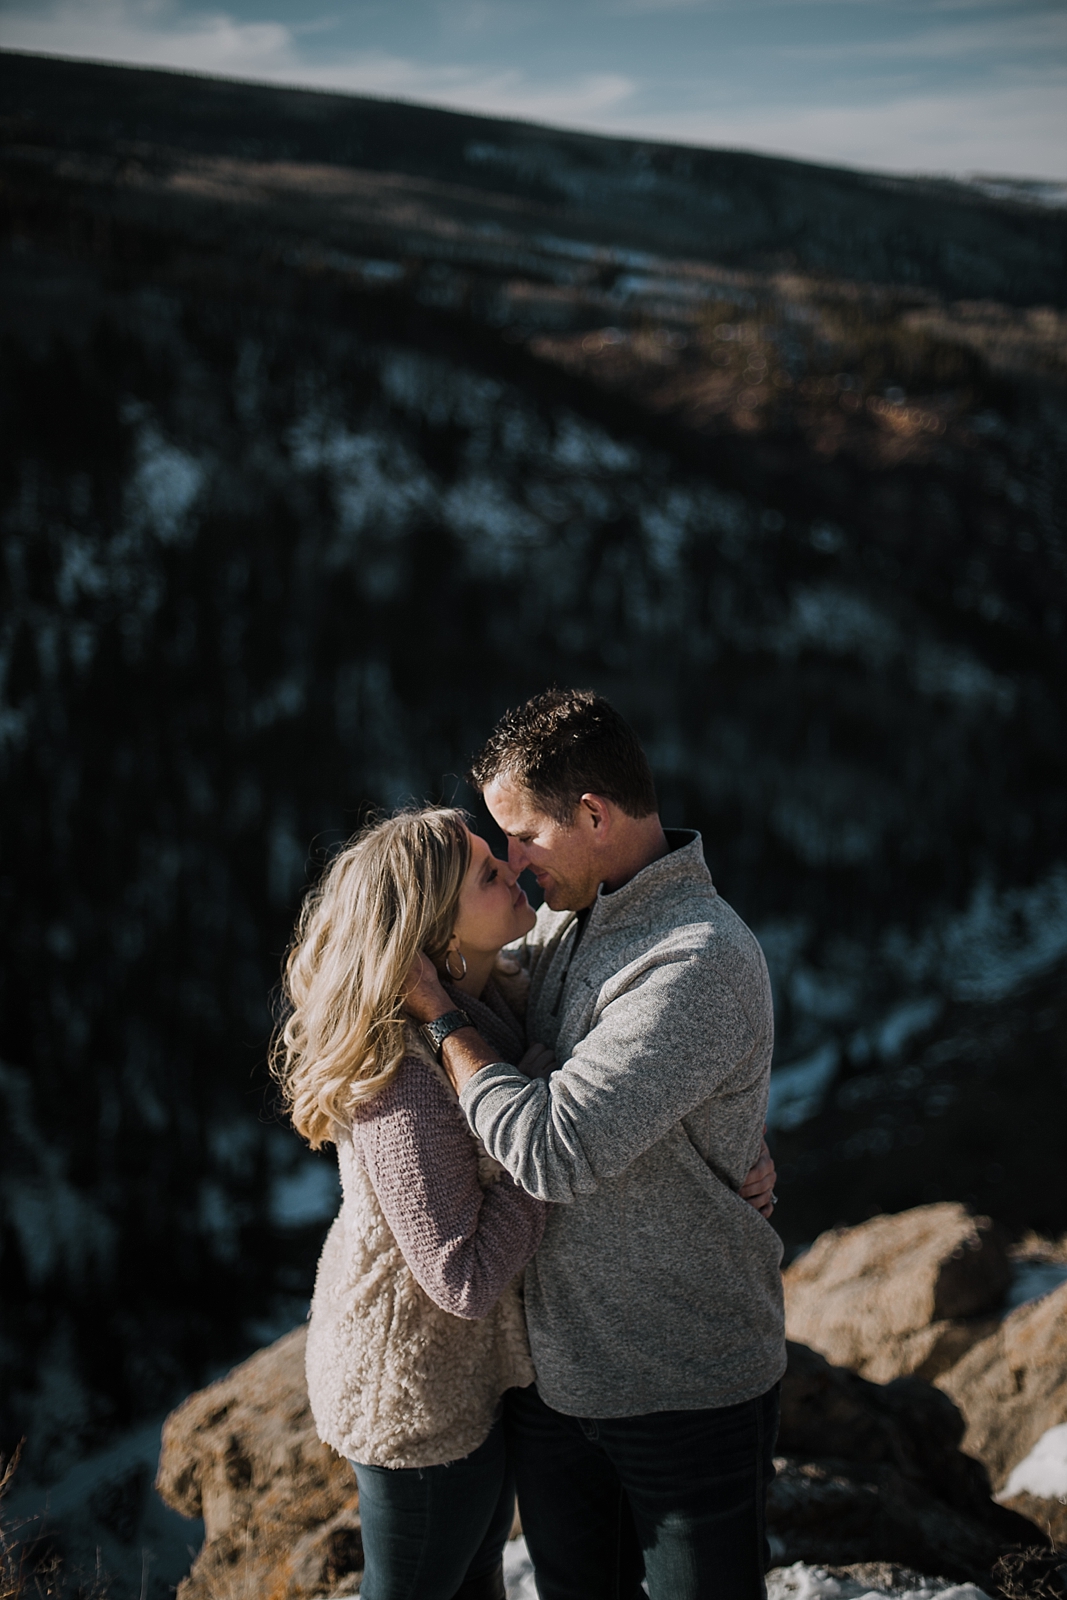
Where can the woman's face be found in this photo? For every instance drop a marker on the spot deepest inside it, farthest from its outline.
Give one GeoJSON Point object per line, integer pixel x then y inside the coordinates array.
{"type": "Point", "coordinates": [493, 910]}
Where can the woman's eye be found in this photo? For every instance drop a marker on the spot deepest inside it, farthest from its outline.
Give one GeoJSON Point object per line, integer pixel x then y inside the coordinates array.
{"type": "Point", "coordinates": [492, 876]}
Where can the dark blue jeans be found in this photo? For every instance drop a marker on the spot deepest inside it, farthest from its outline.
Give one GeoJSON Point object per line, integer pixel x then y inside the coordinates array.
{"type": "Point", "coordinates": [676, 1497]}
{"type": "Point", "coordinates": [433, 1533]}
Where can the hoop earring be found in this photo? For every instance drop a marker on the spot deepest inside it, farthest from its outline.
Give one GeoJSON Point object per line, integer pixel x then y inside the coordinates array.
{"type": "Point", "coordinates": [457, 977]}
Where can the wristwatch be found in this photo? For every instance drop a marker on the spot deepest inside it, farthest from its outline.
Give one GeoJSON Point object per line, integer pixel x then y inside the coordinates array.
{"type": "Point", "coordinates": [437, 1032]}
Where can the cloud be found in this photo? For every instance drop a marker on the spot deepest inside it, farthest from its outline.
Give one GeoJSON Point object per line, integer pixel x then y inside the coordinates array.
{"type": "Point", "coordinates": [1016, 130]}
{"type": "Point", "coordinates": [151, 33]}
{"type": "Point", "coordinates": [1006, 37]}
{"type": "Point", "coordinates": [505, 92]}
{"type": "Point", "coordinates": [1012, 125]}
{"type": "Point", "coordinates": [154, 33]}
{"type": "Point", "coordinates": [489, 16]}
{"type": "Point", "coordinates": [902, 7]}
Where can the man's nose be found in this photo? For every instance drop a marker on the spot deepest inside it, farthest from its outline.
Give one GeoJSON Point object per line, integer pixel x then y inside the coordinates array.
{"type": "Point", "coordinates": [518, 860]}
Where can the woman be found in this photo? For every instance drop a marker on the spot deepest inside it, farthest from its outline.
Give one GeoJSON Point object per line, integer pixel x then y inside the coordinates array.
{"type": "Point", "coordinates": [416, 1323]}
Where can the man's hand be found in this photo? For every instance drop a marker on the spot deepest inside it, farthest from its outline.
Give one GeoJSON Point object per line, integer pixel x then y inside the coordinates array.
{"type": "Point", "coordinates": [424, 995]}
{"type": "Point", "coordinates": [538, 1062]}
{"type": "Point", "coordinates": [464, 1052]}
{"type": "Point", "coordinates": [758, 1187]}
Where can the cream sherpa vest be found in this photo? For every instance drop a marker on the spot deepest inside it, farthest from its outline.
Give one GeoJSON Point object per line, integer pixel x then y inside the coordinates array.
{"type": "Point", "coordinates": [393, 1380]}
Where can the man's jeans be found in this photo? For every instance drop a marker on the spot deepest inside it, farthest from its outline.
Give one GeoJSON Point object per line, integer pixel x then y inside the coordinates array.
{"type": "Point", "coordinates": [434, 1533]}
{"type": "Point", "coordinates": [675, 1496]}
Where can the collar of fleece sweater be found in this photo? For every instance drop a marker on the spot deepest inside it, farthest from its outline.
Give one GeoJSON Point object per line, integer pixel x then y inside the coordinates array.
{"type": "Point", "coordinates": [493, 1018]}
{"type": "Point", "coordinates": [656, 887]}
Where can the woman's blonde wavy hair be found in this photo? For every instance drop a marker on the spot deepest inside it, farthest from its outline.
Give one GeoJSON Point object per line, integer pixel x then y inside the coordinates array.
{"type": "Point", "coordinates": [391, 892]}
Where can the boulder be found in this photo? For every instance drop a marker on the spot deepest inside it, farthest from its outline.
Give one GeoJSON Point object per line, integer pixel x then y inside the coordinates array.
{"type": "Point", "coordinates": [837, 1512]}
{"type": "Point", "coordinates": [901, 1294]}
{"type": "Point", "coordinates": [1012, 1390]}
{"type": "Point", "coordinates": [868, 1472]}
{"type": "Point", "coordinates": [280, 1509]}
{"type": "Point", "coordinates": [873, 1472]}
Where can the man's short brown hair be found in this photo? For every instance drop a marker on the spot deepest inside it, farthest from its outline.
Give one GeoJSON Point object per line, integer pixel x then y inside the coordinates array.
{"type": "Point", "coordinates": [565, 743]}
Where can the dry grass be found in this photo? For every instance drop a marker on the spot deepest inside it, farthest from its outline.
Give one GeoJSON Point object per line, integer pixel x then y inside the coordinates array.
{"type": "Point", "coordinates": [1036, 1247]}
{"type": "Point", "coordinates": [26, 1572]}
{"type": "Point", "coordinates": [884, 375]}
{"type": "Point", "coordinates": [17, 1581]}
{"type": "Point", "coordinates": [1036, 1573]}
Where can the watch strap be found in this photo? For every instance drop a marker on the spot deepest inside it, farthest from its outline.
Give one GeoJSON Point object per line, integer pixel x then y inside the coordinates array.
{"type": "Point", "coordinates": [436, 1032]}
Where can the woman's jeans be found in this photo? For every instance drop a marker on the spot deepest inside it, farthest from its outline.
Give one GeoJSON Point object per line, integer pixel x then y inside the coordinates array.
{"type": "Point", "coordinates": [437, 1533]}
{"type": "Point", "coordinates": [677, 1497]}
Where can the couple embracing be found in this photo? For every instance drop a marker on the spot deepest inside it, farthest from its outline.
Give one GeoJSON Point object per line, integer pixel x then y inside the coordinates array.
{"type": "Point", "coordinates": [551, 1271]}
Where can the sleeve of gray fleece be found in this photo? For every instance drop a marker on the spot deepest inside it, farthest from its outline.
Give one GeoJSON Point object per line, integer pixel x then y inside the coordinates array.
{"type": "Point", "coordinates": [659, 1049]}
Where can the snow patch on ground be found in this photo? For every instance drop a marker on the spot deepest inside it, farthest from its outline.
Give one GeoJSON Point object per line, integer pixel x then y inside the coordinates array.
{"type": "Point", "coordinates": [798, 1582]}
{"type": "Point", "coordinates": [518, 1571]}
{"type": "Point", "coordinates": [801, 1582]}
{"type": "Point", "coordinates": [1044, 1471]}
{"type": "Point", "coordinates": [165, 482]}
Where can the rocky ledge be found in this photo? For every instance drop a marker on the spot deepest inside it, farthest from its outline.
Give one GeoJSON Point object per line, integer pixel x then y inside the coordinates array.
{"type": "Point", "coordinates": [910, 1403]}
{"type": "Point", "coordinates": [921, 1296]}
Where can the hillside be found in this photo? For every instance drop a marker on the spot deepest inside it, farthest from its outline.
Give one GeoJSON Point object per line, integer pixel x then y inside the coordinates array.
{"type": "Point", "coordinates": [724, 208]}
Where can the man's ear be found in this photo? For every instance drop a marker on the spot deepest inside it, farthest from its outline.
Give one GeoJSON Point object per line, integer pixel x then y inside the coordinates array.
{"type": "Point", "coordinates": [597, 814]}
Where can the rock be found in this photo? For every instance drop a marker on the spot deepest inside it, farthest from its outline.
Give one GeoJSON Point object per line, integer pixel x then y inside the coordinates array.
{"type": "Point", "coordinates": [899, 1294]}
{"type": "Point", "coordinates": [828, 1411]}
{"type": "Point", "coordinates": [279, 1508]}
{"type": "Point", "coordinates": [1048, 1515]}
{"type": "Point", "coordinates": [1012, 1390]}
{"type": "Point", "coordinates": [873, 1472]}
{"type": "Point", "coordinates": [841, 1512]}
{"type": "Point", "coordinates": [869, 1472]}
{"type": "Point", "coordinates": [914, 1294]}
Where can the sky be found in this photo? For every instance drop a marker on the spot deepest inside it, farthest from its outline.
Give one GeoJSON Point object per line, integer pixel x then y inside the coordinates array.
{"type": "Point", "coordinates": [960, 87]}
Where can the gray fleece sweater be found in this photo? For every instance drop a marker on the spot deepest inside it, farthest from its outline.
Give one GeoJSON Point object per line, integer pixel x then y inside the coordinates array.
{"type": "Point", "coordinates": [656, 1287]}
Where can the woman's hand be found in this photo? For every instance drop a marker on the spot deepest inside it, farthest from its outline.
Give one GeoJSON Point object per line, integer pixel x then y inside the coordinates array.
{"type": "Point", "coordinates": [758, 1187]}
{"type": "Point", "coordinates": [424, 996]}
{"type": "Point", "coordinates": [538, 1061]}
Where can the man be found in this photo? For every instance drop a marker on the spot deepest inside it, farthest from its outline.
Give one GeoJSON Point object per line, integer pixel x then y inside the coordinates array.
{"type": "Point", "coordinates": [654, 1304]}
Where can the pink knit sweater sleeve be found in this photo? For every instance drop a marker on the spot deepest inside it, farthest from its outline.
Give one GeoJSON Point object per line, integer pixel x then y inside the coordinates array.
{"type": "Point", "coordinates": [463, 1243]}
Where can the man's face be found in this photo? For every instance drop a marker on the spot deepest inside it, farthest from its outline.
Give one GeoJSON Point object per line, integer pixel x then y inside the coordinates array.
{"type": "Point", "coordinates": [563, 859]}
